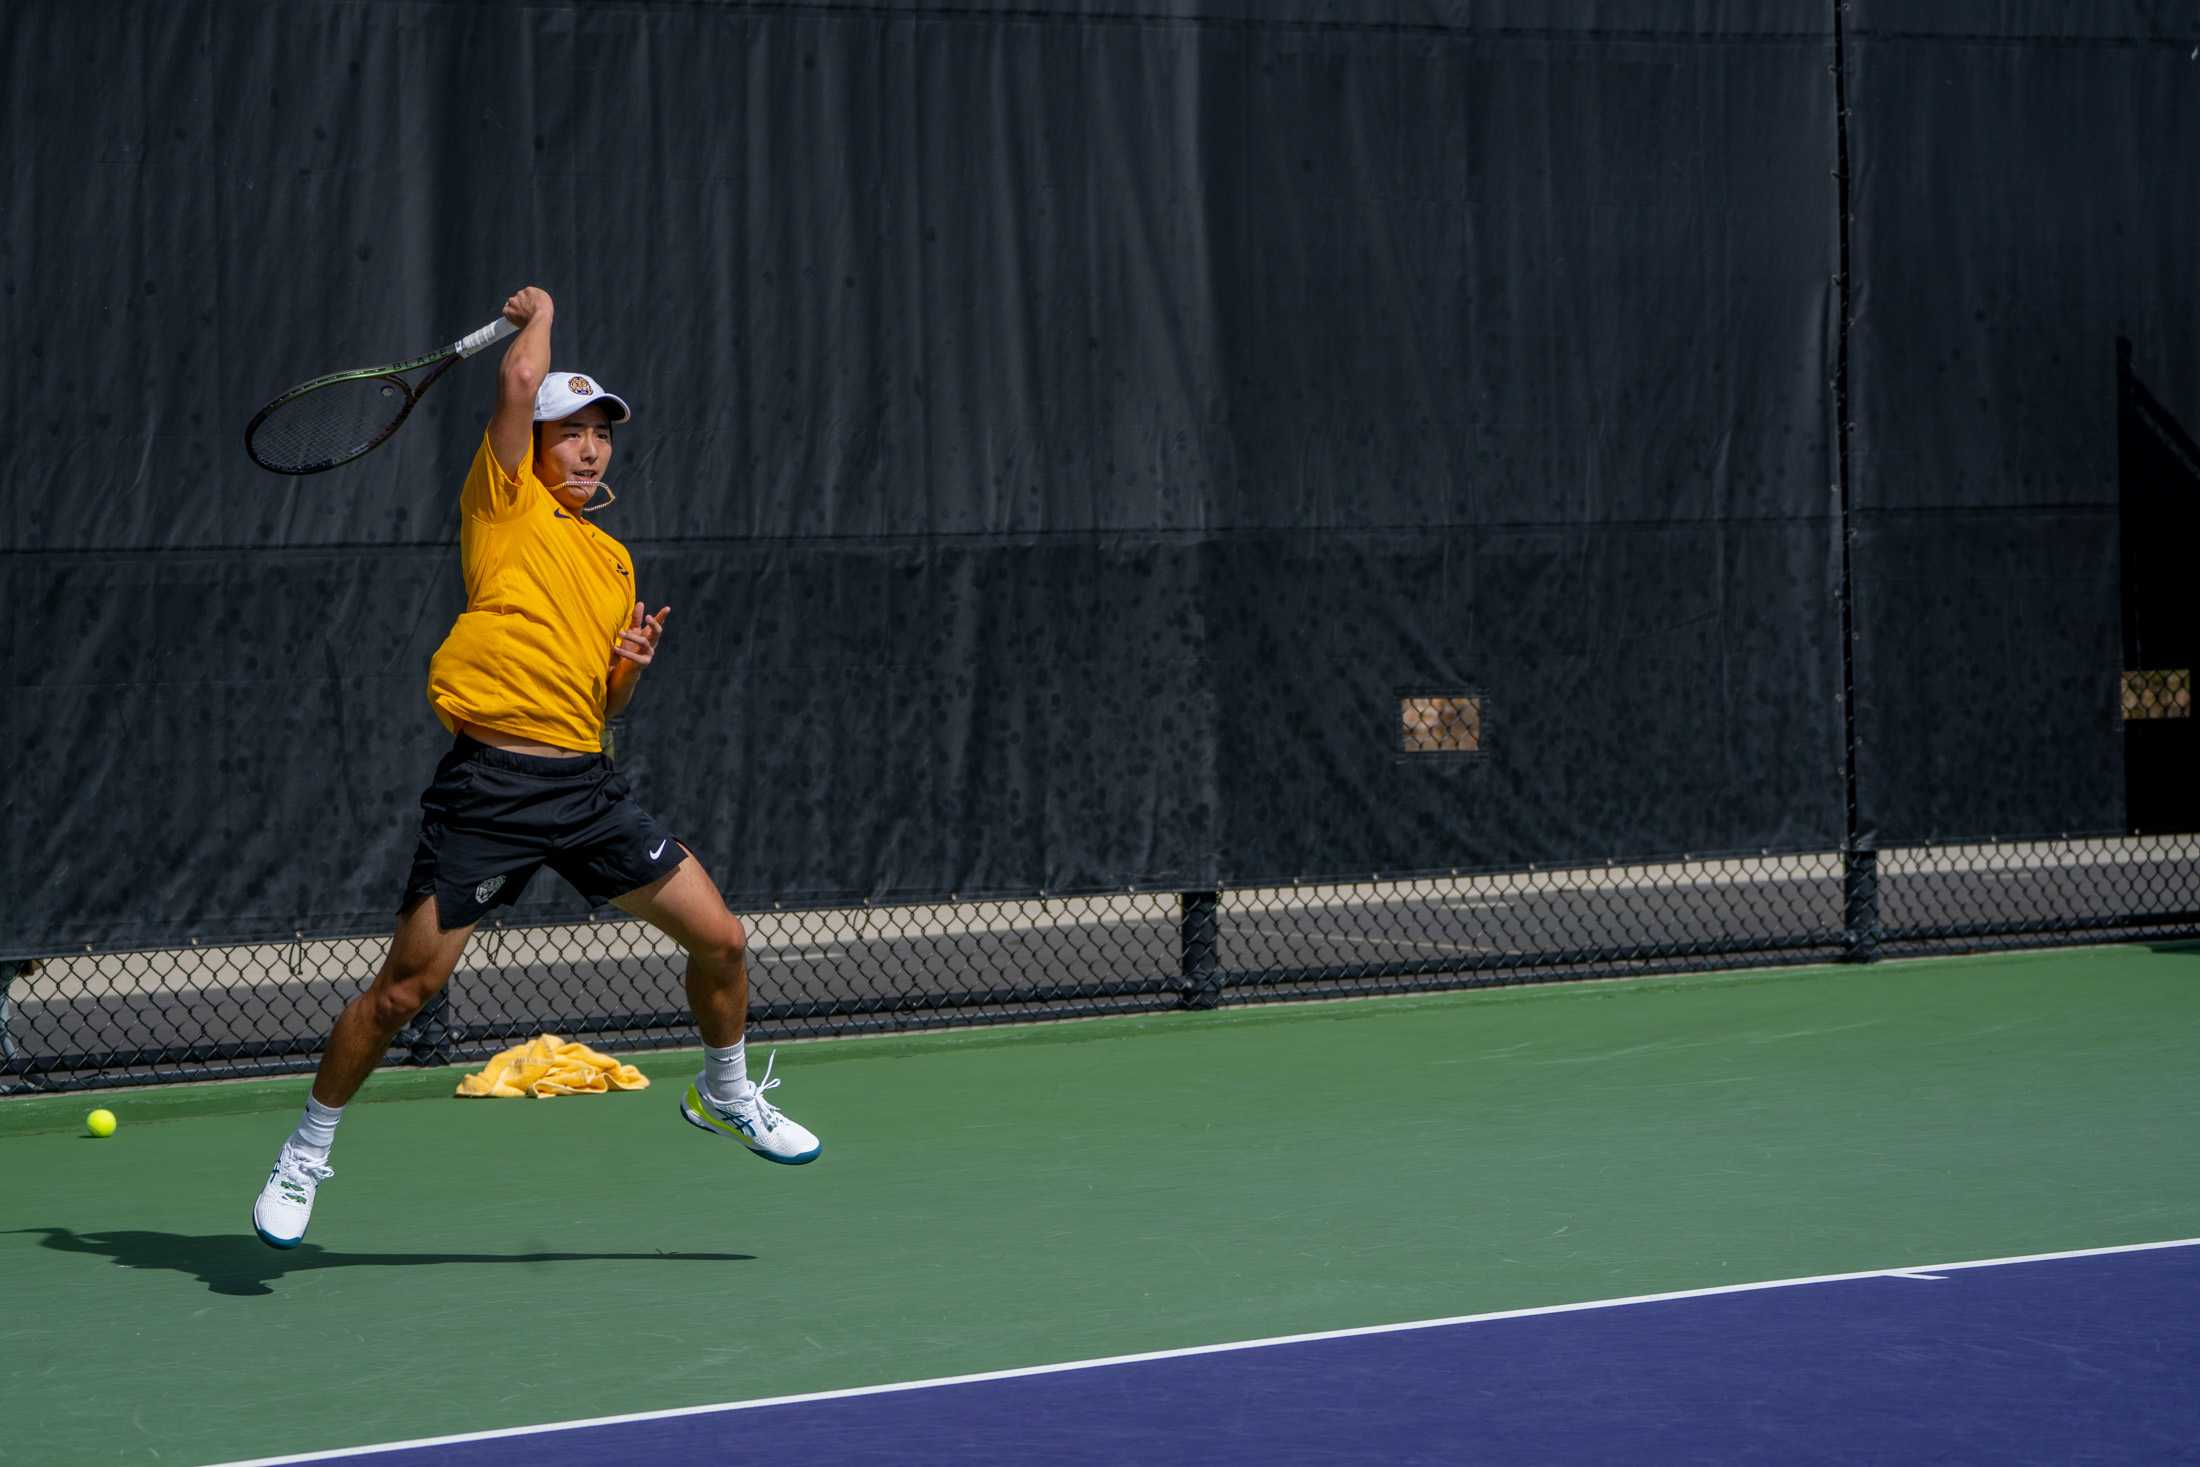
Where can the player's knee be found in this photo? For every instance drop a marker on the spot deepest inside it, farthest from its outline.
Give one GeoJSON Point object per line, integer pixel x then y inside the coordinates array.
{"type": "Point", "coordinates": [733, 940]}
{"type": "Point", "coordinates": [398, 997]}
{"type": "Point", "coordinates": [726, 944]}
{"type": "Point", "coordinates": [391, 1006]}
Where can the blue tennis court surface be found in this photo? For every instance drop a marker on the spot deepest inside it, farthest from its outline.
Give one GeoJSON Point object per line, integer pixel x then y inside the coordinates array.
{"type": "Point", "coordinates": [2086, 1357]}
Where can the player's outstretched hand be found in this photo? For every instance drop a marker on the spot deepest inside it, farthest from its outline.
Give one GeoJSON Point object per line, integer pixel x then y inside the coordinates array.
{"type": "Point", "coordinates": [526, 303]}
{"type": "Point", "coordinates": [638, 642]}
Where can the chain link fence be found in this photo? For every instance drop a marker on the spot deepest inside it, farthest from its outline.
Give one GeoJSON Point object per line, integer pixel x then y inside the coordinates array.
{"type": "Point", "coordinates": [206, 1012]}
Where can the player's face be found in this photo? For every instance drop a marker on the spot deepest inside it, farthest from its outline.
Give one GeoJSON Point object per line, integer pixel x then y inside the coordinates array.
{"type": "Point", "coordinates": [573, 454]}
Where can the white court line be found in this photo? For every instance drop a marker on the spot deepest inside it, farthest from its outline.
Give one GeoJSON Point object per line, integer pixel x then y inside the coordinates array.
{"type": "Point", "coordinates": [1912, 1271]}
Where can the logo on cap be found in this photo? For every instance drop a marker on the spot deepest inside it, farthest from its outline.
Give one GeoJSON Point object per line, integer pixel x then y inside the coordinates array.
{"type": "Point", "coordinates": [580, 385]}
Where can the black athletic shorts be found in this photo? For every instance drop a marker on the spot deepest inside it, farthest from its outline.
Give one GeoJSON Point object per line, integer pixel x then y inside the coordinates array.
{"type": "Point", "coordinates": [492, 817]}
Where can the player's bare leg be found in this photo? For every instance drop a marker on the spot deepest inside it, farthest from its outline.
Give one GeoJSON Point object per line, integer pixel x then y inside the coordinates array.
{"type": "Point", "coordinates": [686, 907]}
{"type": "Point", "coordinates": [418, 964]}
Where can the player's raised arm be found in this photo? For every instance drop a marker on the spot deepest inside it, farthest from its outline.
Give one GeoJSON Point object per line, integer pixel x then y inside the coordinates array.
{"type": "Point", "coordinates": [526, 363]}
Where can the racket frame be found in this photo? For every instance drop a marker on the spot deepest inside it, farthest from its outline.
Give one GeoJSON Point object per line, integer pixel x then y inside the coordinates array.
{"type": "Point", "coordinates": [442, 359]}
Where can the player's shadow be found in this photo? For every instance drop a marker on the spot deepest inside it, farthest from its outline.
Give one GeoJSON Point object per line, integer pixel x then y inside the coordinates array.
{"type": "Point", "coordinates": [238, 1263]}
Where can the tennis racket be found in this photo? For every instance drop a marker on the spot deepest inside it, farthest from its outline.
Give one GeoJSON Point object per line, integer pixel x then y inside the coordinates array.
{"type": "Point", "coordinates": [334, 419]}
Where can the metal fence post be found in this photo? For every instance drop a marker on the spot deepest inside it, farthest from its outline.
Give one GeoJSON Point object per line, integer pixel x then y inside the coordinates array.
{"type": "Point", "coordinates": [9, 970]}
{"type": "Point", "coordinates": [1860, 905]}
{"type": "Point", "coordinates": [1197, 912]}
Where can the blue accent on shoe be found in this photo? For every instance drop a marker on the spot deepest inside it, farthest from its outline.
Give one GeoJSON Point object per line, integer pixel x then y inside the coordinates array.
{"type": "Point", "coordinates": [274, 1242]}
{"type": "Point", "coordinates": [702, 1125]}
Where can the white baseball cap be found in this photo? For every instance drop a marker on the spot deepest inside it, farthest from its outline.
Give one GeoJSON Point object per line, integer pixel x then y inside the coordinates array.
{"type": "Point", "coordinates": [563, 394]}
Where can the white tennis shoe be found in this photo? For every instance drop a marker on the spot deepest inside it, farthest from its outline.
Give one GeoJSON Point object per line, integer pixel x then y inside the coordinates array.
{"type": "Point", "coordinates": [751, 1120]}
{"type": "Point", "coordinates": [286, 1202]}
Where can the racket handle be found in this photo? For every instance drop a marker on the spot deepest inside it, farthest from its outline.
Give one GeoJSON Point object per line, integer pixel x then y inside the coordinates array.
{"type": "Point", "coordinates": [488, 335]}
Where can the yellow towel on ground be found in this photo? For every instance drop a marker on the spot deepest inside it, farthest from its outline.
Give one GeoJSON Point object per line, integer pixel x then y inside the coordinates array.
{"type": "Point", "coordinates": [547, 1065]}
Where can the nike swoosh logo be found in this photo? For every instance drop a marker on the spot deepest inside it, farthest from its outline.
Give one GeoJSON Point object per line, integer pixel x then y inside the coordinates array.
{"type": "Point", "coordinates": [653, 855]}
{"type": "Point", "coordinates": [561, 514]}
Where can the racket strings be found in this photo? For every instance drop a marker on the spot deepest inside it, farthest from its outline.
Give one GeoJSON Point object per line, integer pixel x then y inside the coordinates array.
{"type": "Point", "coordinates": [328, 425]}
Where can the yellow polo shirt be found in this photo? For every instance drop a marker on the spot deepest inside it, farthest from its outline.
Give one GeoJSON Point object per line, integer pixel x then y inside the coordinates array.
{"type": "Point", "coordinates": [546, 595]}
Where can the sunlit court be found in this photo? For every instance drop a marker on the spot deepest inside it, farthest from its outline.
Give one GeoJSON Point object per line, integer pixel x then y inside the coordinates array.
{"type": "Point", "coordinates": [1100, 731]}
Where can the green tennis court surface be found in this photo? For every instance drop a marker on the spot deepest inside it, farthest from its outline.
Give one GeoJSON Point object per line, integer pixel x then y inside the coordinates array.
{"type": "Point", "coordinates": [997, 1199]}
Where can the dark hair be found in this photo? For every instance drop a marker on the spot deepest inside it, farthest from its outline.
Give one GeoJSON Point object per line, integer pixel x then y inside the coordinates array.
{"type": "Point", "coordinates": [535, 428]}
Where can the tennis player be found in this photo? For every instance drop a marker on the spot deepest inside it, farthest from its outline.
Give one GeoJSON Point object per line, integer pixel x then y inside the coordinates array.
{"type": "Point", "coordinates": [550, 646]}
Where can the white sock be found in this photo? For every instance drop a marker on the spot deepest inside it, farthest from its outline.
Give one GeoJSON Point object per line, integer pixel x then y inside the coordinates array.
{"type": "Point", "coordinates": [316, 1131]}
{"type": "Point", "coordinates": [726, 1071]}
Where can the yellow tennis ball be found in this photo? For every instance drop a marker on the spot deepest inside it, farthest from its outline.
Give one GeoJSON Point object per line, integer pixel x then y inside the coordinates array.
{"type": "Point", "coordinates": [100, 1123]}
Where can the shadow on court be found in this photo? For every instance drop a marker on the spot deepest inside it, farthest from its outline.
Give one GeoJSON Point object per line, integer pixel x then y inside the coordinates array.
{"type": "Point", "coordinates": [240, 1264]}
